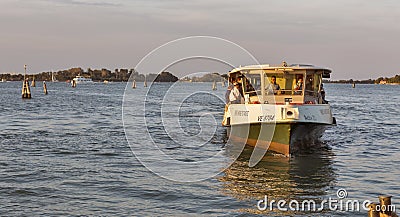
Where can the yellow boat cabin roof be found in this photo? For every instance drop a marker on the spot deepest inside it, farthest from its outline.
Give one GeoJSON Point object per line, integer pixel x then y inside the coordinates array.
{"type": "Point", "coordinates": [284, 68]}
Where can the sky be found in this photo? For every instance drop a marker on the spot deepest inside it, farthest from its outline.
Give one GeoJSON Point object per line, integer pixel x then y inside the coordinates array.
{"type": "Point", "coordinates": [355, 38]}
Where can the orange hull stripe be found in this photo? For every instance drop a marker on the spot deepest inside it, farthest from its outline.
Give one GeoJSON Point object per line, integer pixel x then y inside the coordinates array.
{"type": "Point", "coordinates": [273, 146]}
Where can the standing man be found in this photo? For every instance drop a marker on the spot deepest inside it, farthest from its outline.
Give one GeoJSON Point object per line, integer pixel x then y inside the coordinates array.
{"type": "Point", "coordinates": [228, 93]}
{"type": "Point", "coordinates": [235, 96]}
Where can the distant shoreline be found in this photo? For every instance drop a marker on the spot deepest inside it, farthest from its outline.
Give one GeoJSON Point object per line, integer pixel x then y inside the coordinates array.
{"type": "Point", "coordinates": [124, 75]}
{"type": "Point", "coordinates": [393, 80]}
{"type": "Point", "coordinates": [97, 75]}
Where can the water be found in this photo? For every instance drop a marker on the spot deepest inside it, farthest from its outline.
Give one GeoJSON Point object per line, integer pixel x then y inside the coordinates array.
{"type": "Point", "coordinates": [66, 153]}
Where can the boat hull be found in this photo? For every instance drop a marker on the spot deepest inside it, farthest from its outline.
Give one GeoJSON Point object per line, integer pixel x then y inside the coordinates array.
{"type": "Point", "coordinates": [83, 82]}
{"type": "Point", "coordinates": [283, 138]}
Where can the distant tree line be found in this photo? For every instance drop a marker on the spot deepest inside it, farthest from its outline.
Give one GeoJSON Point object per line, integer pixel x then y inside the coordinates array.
{"type": "Point", "coordinates": [95, 74]}
{"type": "Point", "coordinates": [210, 77]}
{"type": "Point", "coordinates": [125, 75]}
{"type": "Point", "coordinates": [350, 81]}
{"type": "Point", "coordinates": [395, 79]}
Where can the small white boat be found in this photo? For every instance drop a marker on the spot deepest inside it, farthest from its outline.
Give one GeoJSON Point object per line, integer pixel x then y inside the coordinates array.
{"type": "Point", "coordinates": [82, 80]}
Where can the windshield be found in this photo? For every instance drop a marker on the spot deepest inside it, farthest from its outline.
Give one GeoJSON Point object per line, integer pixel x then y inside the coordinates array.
{"type": "Point", "coordinates": [287, 84]}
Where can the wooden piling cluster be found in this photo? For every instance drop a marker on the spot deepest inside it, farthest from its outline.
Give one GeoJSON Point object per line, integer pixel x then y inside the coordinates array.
{"type": "Point", "coordinates": [382, 209]}
{"type": "Point", "coordinates": [26, 91]}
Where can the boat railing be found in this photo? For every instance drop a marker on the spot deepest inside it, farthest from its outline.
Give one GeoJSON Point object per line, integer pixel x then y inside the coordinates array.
{"type": "Point", "coordinates": [276, 92]}
{"type": "Point", "coordinates": [311, 93]}
{"type": "Point", "coordinates": [253, 93]}
{"type": "Point", "coordinates": [288, 92]}
{"type": "Point", "coordinates": [282, 96]}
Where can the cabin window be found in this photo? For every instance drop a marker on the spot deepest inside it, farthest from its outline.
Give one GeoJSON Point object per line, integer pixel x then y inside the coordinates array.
{"type": "Point", "coordinates": [309, 84]}
{"type": "Point", "coordinates": [317, 82]}
{"type": "Point", "coordinates": [252, 84]}
{"type": "Point", "coordinates": [286, 82]}
{"type": "Point", "coordinates": [312, 84]}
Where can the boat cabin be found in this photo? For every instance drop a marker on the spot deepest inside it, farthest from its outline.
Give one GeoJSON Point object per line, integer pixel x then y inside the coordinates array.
{"type": "Point", "coordinates": [294, 84]}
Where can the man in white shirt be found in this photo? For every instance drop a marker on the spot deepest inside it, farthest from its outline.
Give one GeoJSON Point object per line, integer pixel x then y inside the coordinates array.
{"type": "Point", "coordinates": [234, 96]}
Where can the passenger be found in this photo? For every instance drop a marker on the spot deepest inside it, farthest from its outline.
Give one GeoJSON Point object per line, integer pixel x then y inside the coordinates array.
{"type": "Point", "coordinates": [239, 80]}
{"type": "Point", "coordinates": [299, 86]}
{"type": "Point", "coordinates": [273, 87]}
{"type": "Point", "coordinates": [227, 93]}
{"type": "Point", "coordinates": [322, 92]}
{"type": "Point", "coordinates": [235, 97]}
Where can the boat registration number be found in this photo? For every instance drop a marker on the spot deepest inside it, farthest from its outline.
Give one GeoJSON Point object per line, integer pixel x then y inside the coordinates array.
{"type": "Point", "coordinates": [264, 118]}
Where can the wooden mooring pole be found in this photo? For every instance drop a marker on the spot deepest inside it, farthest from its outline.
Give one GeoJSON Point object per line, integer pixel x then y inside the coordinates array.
{"type": "Point", "coordinates": [382, 209]}
{"type": "Point", "coordinates": [44, 88]}
{"type": "Point", "coordinates": [26, 92]}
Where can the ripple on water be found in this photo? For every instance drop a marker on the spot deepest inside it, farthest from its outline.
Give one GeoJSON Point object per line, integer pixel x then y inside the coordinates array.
{"type": "Point", "coordinates": [66, 154]}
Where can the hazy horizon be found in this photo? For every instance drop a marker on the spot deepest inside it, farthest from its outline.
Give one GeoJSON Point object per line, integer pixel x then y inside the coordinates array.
{"type": "Point", "coordinates": [355, 38]}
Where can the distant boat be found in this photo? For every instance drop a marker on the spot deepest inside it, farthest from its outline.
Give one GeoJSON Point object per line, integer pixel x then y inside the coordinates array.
{"type": "Point", "coordinates": [134, 84]}
{"type": "Point", "coordinates": [82, 80]}
{"type": "Point", "coordinates": [354, 85]}
{"type": "Point", "coordinates": [214, 86]}
{"type": "Point", "coordinates": [3, 80]}
{"type": "Point", "coordinates": [105, 82]}
{"type": "Point", "coordinates": [145, 82]}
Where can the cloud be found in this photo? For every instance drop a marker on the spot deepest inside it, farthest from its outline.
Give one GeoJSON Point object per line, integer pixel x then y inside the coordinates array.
{"type": "Point", "coordinates": [85, 3]}
{"type": "Point", "coordinates": [310, 31]}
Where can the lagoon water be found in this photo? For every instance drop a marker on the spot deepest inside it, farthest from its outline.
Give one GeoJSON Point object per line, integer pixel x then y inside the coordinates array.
{"type": "Point", "coordinates": [66, 153]}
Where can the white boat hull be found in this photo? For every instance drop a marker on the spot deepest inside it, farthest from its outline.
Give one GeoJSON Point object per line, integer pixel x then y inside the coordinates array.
{"type": "Point", "coordinates": [284, 129]}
